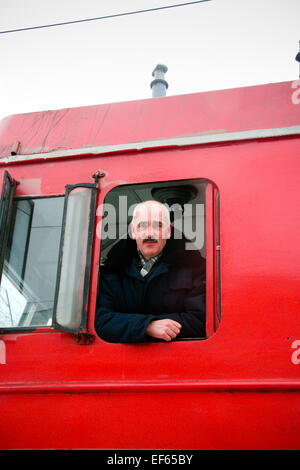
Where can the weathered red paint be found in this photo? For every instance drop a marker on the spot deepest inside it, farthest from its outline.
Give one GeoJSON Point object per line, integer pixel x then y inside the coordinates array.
{"type": "Point", "coordinates": [258, 107]}
{"type": "Point", "coordinates": [239, 389]}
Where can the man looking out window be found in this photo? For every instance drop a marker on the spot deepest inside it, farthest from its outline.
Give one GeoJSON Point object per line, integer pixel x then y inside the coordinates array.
{"type": "Point", "coordinates": [151, 288]}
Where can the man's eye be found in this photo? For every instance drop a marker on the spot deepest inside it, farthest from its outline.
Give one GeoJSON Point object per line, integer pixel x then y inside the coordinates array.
{"type": "Point", "coordinates": [142, 225]}
{"type": "Point", "coordinates": [157, 225]}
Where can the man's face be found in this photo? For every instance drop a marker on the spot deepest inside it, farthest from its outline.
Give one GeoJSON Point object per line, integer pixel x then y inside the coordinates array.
{"type": "Point", "coordinates": [150, 228]}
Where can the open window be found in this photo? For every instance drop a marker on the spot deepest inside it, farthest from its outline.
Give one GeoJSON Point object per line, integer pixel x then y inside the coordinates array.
{"type": "Point", "coordinates": [194, 211]}
{"type": "Point", "coordinates": [73, 277]}
{"type": "Point", "coordinates": [46, 261]}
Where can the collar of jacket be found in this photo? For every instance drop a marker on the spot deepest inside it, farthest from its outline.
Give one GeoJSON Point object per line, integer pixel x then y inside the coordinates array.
{"type": "Point", "coordinates": [133, 270]}
{"type": "Point", "coordinates": [174, 254]}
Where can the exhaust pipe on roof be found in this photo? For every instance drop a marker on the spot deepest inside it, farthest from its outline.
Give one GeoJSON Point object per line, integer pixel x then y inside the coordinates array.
{"type": "Point", "coordinates": [298, 58]}
{"type": "Point", "coordinates": [159, 85]}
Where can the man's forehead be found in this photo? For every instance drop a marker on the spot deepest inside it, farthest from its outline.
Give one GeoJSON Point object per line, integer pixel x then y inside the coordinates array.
{"type": "Point", "coordinates": [150, 211]}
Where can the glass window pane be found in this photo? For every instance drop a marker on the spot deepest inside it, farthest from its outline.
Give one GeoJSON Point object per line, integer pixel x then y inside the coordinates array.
{"type": "Point", "coordinates": [30, 267]}
{"type": "Point", "coordinates": [73, 282]}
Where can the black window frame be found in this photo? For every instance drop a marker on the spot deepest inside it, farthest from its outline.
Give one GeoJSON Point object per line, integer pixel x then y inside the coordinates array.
{"type": "Point", "coordinates": [6, 207]}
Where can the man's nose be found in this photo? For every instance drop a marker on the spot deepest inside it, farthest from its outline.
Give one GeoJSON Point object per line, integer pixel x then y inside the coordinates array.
{"type": "Point", "coordinates": [149, 231]}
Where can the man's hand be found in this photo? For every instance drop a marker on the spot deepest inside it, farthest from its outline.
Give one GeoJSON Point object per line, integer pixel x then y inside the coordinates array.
{"type": "Point", "coordinates": [165, 329]}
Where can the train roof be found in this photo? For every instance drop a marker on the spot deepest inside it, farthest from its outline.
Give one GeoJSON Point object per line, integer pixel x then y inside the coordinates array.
{"type": "Point", "coordinates": [221, 112]}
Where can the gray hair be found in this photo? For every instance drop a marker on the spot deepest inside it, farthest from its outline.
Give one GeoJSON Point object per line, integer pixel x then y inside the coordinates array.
{"type": "Point", "coordinates": [163, 206]}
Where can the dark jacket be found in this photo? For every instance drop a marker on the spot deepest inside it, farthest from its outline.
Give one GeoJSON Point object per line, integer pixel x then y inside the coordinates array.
{"type": "Point", "coordinates": [174, 288]}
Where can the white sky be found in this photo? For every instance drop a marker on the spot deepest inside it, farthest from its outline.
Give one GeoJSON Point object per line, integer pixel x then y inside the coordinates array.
{"type": "Point", "coordinates": [208, 46]}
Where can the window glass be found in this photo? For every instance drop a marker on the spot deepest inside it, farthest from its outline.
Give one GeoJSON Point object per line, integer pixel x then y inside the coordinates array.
{"type": "Point", "coordinates": [75, 258]}
{"type": "Point", "coordinates": [30, 266]}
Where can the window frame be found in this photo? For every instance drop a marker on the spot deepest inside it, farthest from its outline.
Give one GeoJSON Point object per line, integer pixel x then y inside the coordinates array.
{"type": "Point", "coordinates": [213, 278]}
{"type": "Point", "coordinates": [82, 328]}
{"type": "Point", "coordinates": [90, 239]}
{"type": "Point", "coordinates": [212, 250]}
{"type": "Point", "coordinates": [6, 208]}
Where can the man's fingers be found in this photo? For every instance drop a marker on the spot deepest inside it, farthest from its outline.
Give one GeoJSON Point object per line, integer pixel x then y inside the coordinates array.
{"type": "Point", "coordinates": [174, 326]}
{"type": "Point", "coordinates": [165, 329]}
{"type": "Point", "coordinates": [172, 333]}
{"type": "Point", "coordinates": [166, 337]}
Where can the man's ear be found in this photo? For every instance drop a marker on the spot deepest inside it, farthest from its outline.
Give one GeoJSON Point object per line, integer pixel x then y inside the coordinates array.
{"type": "Point", "coordinates": [170, 231]}
{"type": "Point", "coordinates": [132, 231]}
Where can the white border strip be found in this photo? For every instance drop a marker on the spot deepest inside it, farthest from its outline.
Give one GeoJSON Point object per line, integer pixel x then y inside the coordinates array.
{"type": "Point", "coordinates": [159, 143]}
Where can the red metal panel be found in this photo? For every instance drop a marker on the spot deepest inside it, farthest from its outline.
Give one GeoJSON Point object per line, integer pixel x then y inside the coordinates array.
{"type": "Point", "coordinates": [229, 420]}
{"type": "Point", "coordinates": [240, 109]}
{"type": "Point", "coordinates": [230, 391]}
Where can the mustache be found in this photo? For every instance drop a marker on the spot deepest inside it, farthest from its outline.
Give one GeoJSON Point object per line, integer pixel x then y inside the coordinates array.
{"type": "Point", "coordinates": [149, 239]}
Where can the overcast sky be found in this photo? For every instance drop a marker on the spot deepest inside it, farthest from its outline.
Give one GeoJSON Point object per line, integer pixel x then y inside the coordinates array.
{"type": "Point", "coordinates": [207, 46]}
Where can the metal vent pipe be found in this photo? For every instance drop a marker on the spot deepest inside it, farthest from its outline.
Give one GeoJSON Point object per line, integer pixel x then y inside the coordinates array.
{"type": "Point", "coordinates": [298, 58]}
{"type": "Point", "coordinates": [159, 84]}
